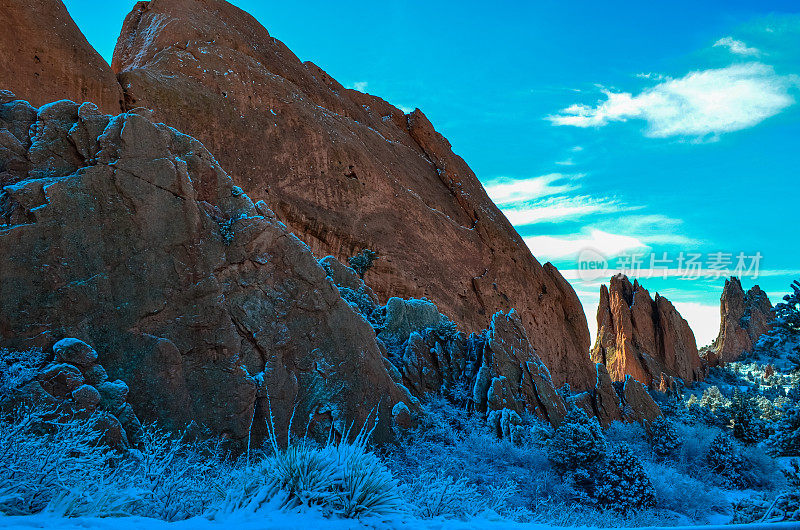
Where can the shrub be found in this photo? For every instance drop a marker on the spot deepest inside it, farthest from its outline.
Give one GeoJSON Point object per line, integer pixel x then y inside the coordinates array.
{"type": "Point", "coordinates": [18, 368]}
{"type": "Point", "coordinates": [58, 464]}
{"type": "Point", "coordinates": [664, 437]}
{"type": "Point", "coordinates": [441, 495]}
{"type": "Point", "coordinates": [362, 261]}
{"type": "Point", "coordinates": [623, 484]}
{"type": "Point", "coordinates": [682, 494]}
{"type": "Point", "coordinates": [724, 460]}
{"type": "Point", "coordinates": [340, 478]}
{"type": "Point", "coordinates": [577, 443]}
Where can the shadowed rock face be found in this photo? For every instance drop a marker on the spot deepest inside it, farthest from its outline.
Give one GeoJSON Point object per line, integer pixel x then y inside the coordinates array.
{"type": "Point", "coordinates": [744, 317]}
{"type": "Point", "coordinates": [345, 171]}
{"type": "Point", "coordinates": [643, 337]}
{"type": "Point", "coordinates": [128, 235]}
{"type": "Point", "coordinates": [45, 57]}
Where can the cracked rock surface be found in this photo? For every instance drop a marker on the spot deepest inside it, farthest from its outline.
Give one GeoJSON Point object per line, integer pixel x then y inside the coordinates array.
{"type": "Point", "coordinates": [129, 235]}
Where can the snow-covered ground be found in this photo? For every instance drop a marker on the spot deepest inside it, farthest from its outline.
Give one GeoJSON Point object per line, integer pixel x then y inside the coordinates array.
{"type": "Point", "coordinates": [309, 521]}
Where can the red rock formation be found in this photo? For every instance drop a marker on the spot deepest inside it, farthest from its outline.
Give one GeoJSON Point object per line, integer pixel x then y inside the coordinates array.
{"type": "Point", "coordinates": [345, 170]}
{"type": "Point", "coordinates": [45, 57]}
{"type": "Point", "coordinates": [130, 236]}
{"type": "Point", "coordinates": [744, 317]}
{"type": "Point", "coordinates": [643, 337]}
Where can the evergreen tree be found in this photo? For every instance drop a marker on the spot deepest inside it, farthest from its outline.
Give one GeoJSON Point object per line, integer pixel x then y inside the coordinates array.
{"type": "Point", "coordinates": [723, 458]}
{"type": "Point", "coordinates": [577, 443]}
{"type": "Point", "coordinates": [664, 437]}
{"type": "Point", "coordinates": [746, 419]}
{"type": "Point", "coordinates": [624, 485]}
{"type": "Point", "coordinates": [787, 313]}
{"type": "Point", "coordinates": [786, 440]}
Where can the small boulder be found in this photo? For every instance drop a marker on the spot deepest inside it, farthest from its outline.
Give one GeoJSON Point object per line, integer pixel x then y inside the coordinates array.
{"type": "Point", "coordinates": [86, 397]}
{"type": "Point", "coordinates": [75, 352]}
{"type": "Point", "coordinates": [402, 417]}
{"type": "Point", "coordinates": [95, 375]}
{"type": "Point", "coordinates": [113, 395]}
{"type": "Point", "coordinates": [60, 379]}
{"type": "Point", "coordinates": [112, 432]}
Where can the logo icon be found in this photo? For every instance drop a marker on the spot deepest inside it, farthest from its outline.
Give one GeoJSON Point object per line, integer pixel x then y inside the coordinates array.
{"type": "Point", "coordinates": [592, 265]}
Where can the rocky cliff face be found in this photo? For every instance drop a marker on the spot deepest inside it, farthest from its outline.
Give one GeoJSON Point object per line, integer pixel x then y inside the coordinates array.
{"type": "Point", "coordinates": [345, 171]}
{"type": "Point", "coordinates": [130, 236]}
{"type": "Point", "coordinates": [744, 317]}
{"type": "Point", "coordinates": [45, 57]}
{"type": "Point", "coordinates": [644, 338]}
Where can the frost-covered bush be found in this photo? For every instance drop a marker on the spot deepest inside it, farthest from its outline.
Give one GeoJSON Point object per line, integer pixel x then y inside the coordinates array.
{"type": "Point", "coordinates": [577, 443]}
{"type": "Point", "coordinates": [724, 460]}
{"type": "Point", "coordinates": [623, 484]}
{"type": "Point", "coordinates": [663, 436]}
{"type": "Point", "coordinates": [339, 478]}
{"type": "Point", "coordinates": [178, 476]}
{"type": "Point", "coordinates": [682, 494]}
{"type": "Point", "coordinates": [18, 368]}
{"type": "Point", "coordinates": [457, 443]}
{"type": "Point", "coordinates": [441, 495]}
{"type": "Point", "coordinates": [60, 465]}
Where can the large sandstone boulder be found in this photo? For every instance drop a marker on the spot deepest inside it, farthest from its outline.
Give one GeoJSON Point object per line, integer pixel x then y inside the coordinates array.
{"type": "Point", "coordinates": [642, 337]}
{"type": "Point", "coordinates": [345, 171]}
{"type": "Point", "coordinates": [744, 317]}
{"type": "Point", "coordinates": [129, 235]}
{"type": "Point", "coordinates": [45, 57]}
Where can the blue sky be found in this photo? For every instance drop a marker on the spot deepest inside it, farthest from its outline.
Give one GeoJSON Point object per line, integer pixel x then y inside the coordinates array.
{"type": "Point", "coordinates": [630, 129]}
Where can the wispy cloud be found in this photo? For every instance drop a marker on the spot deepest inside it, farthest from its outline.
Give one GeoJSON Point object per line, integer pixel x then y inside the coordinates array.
{"type": "Point", "coordinates": [702, 103]}
{"type": "Point", "coordinates": [736, 46]}
{"type": "Point", "coordinates": [551, 247]}
{"type": "Point", "coordinates": [505, 190]}
{"type": "Point", "coordinates": [562, 208]}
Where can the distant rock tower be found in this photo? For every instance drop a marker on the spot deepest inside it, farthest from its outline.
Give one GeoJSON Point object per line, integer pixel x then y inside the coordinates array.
{"type": "Point", "coordinates": [744, 317]}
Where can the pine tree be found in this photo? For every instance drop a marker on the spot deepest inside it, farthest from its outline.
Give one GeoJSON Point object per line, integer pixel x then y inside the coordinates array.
{"type": "Point", "coordinates": [786, 440]}
{"type": "Point", "coordinates": [723, 458]}
{"type": "Point", "coordinates": [746, 419]}
{"type": "Point", "coordinates": [624, 485]}
{"type": "Point", "coordinates": [577, 443]}
{"type": "Point", "coordinates": [787, 313]}
{"type": "Point", "coordinates": [664, 437]}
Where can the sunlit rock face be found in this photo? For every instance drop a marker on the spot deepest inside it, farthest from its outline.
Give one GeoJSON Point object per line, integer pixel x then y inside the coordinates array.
{"type": "Point", "coordinates": [644, 337]}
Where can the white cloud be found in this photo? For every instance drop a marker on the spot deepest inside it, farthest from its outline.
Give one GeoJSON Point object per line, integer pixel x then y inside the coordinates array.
{"type": "Point", "coordinates": [608, 244]}
{"type": "Point", "coordinates": [702, 318]}
{"type": "Point", "coordinates": [506, 190]}
{"type": "Point", "coordinates": [361, 86]}
{"type": "Point", "coordinates": [702, 103]}
{"type": "Point", "coordinates": [736, 46]}
{"type": "Point", "coordinates": [561, 208]}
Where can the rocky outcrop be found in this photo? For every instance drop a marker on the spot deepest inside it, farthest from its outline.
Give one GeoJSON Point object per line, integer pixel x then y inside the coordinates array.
{"type": "Point", "coordinates": [129, 235]}
{"type": "Point", "coordinates": [644, 338]}
{"type": "Point", "coordinates": [744, 317]}
{"type": "Point", "coordinates": [346, 171]}
{"type": "Point", "coordinates": [45, 57]}
{"type": "Point", "coordinates": [71, 383]}
{"type": "Point", "coordinates": [610, 401]}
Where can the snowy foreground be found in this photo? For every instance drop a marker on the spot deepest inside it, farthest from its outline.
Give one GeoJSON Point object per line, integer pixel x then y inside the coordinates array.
{"type": "Point", "coordinates": [282, 520]}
